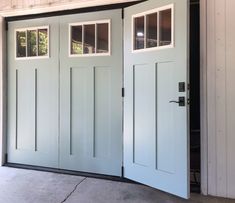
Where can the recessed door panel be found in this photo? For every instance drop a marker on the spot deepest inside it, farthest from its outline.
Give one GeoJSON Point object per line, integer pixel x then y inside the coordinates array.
{"type": "Point", "coordinates": [25, 137]}
{"type": "Point", "coordinates": [144, 103]}
{"type": "Point", "coordinates": [81, 111]}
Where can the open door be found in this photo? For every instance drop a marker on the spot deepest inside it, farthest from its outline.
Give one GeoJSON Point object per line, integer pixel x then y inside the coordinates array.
{"type": "Point", "coordinates": [156, 94]}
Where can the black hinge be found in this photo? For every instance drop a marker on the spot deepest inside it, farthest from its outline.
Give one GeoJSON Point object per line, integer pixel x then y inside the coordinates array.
{"type": "Point", "coordinates": [188, 101]}
{"type": "Point", "coordinates": [122, 171]}
{"type": "Point", "coordinates": [6, 25]}
{"type": "Point", "coordinates": [123, 13]}
{"type": "Point", "coordinates": [188, 86]}
{"type": "Point", "coordinates": [123, 92]}
{"type": "Point", "coordinates": [6, 158]}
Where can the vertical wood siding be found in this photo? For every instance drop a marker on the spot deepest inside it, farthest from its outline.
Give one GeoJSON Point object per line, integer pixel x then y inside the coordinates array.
{"type": "Point", "coordinates": [221, 97]}
{"type": "Point", "coordinates": [17, 4]}
{"type": "Point", "coordinates": [29, 4]}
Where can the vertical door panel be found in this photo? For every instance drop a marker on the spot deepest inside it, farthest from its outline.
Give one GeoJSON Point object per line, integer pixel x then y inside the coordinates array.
{"type": "Point", "coordinates": [155, 128]}
{"type": "Point", "coordinates": [33, 84]}
{"type": "Point", "coordinates": [144, 103]}
{"type": "Point", "coordinates": [103, 112]}
{"type": "Point", "coordinates": [90, 95]}
{"type": "Point", "coordinates": [166, 117]}
{"type": "Point", "coordinates": [25, 132]}
{"type": "Point", "coordinates": [81, 111]}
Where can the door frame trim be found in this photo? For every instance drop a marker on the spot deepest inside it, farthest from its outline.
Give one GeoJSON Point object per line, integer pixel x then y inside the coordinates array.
{"type": "Point", "coordinates": [203, 89]}
{"type": "Point", "coordinates": [203, 97]}
{"type": "Point", "coordinates": [3, 92]}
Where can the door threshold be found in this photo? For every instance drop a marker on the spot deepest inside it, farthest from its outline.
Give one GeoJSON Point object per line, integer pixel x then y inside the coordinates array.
{"type": "Point", "coordinates": [70, 172]}
{"type": "Point", "coordinates": [193, 188]}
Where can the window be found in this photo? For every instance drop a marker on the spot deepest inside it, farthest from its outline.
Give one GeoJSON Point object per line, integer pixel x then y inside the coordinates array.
{"type": "Point", "coordinates": [153, 29]}
{"type": "Point", "coordinates": [32, 42]}
{"type": "Point", "coordinates": [139, 33]}
{"type": "Point", "coordinates": [89, 38]}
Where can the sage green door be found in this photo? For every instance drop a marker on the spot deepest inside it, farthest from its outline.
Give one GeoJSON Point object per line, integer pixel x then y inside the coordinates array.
{"type": "Point", "coordinates": [155, 107]}
{"type": "Point", "coordinates": [33, 92]}
{"type": "Point", "coordinates": [64, 92]}
{"type": "Point", "coordinates": [90, 92]}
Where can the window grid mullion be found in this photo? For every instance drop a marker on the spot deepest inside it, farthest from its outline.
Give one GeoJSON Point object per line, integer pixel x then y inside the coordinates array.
{"type": "Point", "coordinates": [26, 34]}
{"type": "Point", "coordinates": [83, 38]}
{"type": "Point", "coordinates": [37, 42]}
{"type": "Point", "coordinates": [96, 38]}
{"type": "Point", "coordinates": [145, 32]}
{"type": "Point", "coordinates": [158, 29]}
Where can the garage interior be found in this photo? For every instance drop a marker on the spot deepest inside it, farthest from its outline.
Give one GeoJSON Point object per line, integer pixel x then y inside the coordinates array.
{"type": "Point", "coordinates": [195, 152]}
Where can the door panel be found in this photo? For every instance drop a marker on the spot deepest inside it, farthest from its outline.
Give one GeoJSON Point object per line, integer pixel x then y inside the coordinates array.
{"type": "Point", "coordinates": [25, 85]}
{"type": "Point", "coordinates": [90, 96]}
{"type": "Point", "coordinates": [156, 129]}
{"type": "Point", "coordinates": [81, 97]}
{"type": "Point", "coordinates": [144, 114]}
{"type": "Point", "coordinates": [33, 99]}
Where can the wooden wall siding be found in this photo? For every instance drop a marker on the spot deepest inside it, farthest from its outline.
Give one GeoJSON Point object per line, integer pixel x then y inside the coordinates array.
{"type": "Point", "coordinates": [221, 97]}
{"type": "Point", "coordinates": [6, 5]}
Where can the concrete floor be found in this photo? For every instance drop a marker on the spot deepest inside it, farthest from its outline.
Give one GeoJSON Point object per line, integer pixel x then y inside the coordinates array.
{"type": "Point", "coordinates": [27, 186]}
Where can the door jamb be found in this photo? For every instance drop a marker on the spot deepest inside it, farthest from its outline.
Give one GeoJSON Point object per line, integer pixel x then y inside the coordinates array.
{"type": "Point", "coordinates": [3, 92]}
{"type": "Point", "coordinates": [203, 97]}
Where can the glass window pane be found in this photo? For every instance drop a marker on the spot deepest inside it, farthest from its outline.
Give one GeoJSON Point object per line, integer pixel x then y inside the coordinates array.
{"type": "Point", "coordinates": [21, 43]}
{"type": "Point", "coordinates": [32, 42]}
{"type": "Point", "coordinates": [151, 38]}
{"type": "Point", "coordinates": [89, 39]}
{"type": "Point", "coordinates": [103, 38]}
{"type": "Point", "coordinates": [165, 27]}
{"type": "Point", "coordinates": [76, 39]}
{"type": "Point", "coordinates": [139, 33]}
{"type": "Point", "coordinates": [42, 42]}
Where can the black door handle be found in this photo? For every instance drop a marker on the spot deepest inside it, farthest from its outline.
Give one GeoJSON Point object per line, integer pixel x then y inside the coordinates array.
{"type": "Point", "coordinates": [177, 102]}
{"type": "Point", "coordinates": [181, 101]}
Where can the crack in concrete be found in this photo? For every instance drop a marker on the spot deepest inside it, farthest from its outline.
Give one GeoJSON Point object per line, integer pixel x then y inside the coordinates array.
{"type": "Point", "coordinates": [74, 189]}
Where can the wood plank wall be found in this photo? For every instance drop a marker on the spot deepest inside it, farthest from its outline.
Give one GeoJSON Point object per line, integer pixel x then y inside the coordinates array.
{"type": "Point", "coordinates": [18, 4]}
{"type": "Point", "coordinates": [221, 97]}
{"type": "Point", "coordinates": [8, 5]}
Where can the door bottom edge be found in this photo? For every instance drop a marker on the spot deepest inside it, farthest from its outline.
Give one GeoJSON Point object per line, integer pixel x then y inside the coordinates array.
{"type": "Point", "coordinates": [69, 172]}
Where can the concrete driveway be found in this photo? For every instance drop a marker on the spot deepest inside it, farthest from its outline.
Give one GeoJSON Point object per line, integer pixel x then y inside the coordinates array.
{"type": "Point", "coordinates": [28, 186]}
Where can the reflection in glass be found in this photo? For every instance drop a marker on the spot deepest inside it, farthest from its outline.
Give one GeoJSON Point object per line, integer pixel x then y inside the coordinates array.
{"type": "Point", "coordinates": [165, 27]}
{"type": "Point", "coordinates": [103, 38]}
{"type": "Point", "coordinates": [89, 39]}
{"type": "Point", "coordinates": [21, 43]}
{"type": "Point", "coordinates": [32, 42]}
{"type": "Point", "coordinates": [42, 42]}
{"type": "Point", "coordinates": [151, 38]}
{"type": "Point", "coordinates": [139, 33]}
{"type": "Point", "coordinates": [76, 42]}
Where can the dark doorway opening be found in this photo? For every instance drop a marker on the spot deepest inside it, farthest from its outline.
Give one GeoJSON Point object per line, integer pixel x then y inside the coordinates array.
{"type": "Point", "coordinates": [195, 157]}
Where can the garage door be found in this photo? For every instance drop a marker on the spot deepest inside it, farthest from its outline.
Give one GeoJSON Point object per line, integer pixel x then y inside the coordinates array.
{"type": "Point", "coordinates": [64, 92]}
{"type": "Point", "coordinates": [65, 101]}
{"type": "Point", "coordinates": [33, 92]}
{"type": "Point", "coordinates": [155, 107]}
{"type": "Point", "coordinates": [90, 96]}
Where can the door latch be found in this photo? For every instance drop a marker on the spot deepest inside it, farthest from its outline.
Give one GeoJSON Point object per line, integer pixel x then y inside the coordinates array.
{"type": "Point", "coordinates": [181, 101]}
{"type": "Point", "coordinates": [181, 86]}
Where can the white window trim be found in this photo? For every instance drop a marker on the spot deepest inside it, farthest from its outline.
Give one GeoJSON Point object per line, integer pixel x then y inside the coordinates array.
{"type": "Point", "coordinates": [90, 23]}
{"type": "Point", "coordinates": [144, 14]}
{"type": "Point", "coordinates": [32, 28]}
